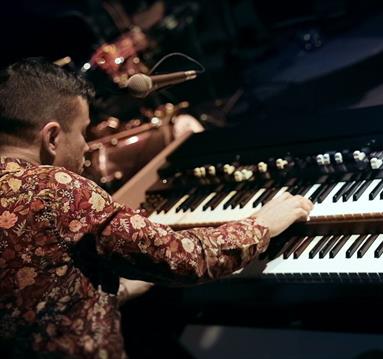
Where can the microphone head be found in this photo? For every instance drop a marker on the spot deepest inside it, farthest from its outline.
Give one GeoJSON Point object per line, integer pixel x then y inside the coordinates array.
{"type": "Point", "coordinates": [139, 85]}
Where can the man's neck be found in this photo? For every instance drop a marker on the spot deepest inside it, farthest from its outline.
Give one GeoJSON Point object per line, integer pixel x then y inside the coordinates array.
{"type": "Point", "coordinates": [27, 154]}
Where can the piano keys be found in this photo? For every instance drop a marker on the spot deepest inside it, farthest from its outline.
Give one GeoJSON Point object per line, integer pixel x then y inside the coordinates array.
{"type": "Point", "coordinates": [324, 274]}
{"type": "Point", "coordinates": [344, 180]}
{"type": "Point", "coordinates": [351, 198]}
{"type": "Point", "coordinates": [331, 257]}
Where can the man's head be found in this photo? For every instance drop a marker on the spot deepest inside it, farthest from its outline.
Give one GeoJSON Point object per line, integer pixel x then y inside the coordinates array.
{"type": "Point", "coordinates": [45, 109]}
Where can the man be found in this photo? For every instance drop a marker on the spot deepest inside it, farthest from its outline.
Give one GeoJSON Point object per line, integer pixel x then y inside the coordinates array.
{"type": "Point", "coordinates": [64, 242]}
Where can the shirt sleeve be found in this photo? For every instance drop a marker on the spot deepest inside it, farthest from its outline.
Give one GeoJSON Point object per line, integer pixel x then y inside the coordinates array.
{"type": "Point", "coordinates": [141, 249]}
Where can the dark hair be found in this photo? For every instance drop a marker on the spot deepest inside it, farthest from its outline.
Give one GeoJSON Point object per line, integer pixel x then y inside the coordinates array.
{"type": "Point", "coordinates": [33, 92]}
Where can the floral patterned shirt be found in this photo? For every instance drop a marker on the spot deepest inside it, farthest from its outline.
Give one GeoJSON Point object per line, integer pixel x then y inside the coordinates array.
{"type": "Point", "coordinates": [63, 245]}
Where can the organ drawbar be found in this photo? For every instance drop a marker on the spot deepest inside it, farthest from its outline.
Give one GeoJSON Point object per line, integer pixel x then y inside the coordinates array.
{"type": "Point", "coordinates": [342, 184]}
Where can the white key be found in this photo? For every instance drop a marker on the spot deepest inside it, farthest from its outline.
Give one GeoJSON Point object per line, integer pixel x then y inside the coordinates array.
{"type": "Point", "coordinates": [327, 206]}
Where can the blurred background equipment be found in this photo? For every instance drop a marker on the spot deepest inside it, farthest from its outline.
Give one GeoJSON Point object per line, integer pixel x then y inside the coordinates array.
{"type": "Point", "coordinates": [119, 149]}
{"type": "Point", "coordinates": [266, 61]}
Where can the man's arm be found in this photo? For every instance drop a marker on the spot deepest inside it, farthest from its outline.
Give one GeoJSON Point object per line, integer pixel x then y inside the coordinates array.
{"type": "Point", "coordinates": [141, 249]}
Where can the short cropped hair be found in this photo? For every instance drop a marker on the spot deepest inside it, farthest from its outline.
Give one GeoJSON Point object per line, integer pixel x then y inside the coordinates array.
{"type": "Point", "coordinates": [34, 92]}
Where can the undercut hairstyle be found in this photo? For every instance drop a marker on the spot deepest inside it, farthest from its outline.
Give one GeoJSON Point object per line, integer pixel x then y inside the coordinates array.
{"type": "Point", "coordinates": [34, 92]}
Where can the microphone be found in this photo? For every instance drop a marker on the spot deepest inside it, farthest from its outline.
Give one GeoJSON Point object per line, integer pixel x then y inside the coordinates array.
{"type": "Point", "coordinates": [140, 85]}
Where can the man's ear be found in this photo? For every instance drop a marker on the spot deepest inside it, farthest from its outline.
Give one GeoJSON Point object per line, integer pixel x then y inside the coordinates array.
{"type": "Point", "coordinates": [50, 137]}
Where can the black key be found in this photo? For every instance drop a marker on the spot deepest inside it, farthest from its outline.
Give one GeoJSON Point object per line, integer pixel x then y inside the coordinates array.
{"type": "Point", "coordinates": [381, 195]}
{"type": "Point", "coordinates": [328, 246]}
{"type": "Point", "coordinates": [268, 186]}
{"type": "Point", "coordinates": [301, 186]}
{"type": "Point", "coordinates": [261, 198]}
{"type": "Point", "coordinates": [338, 246]}
{"type": "Point", "coordinates": [210, 201]}
{"type": "Point", "coordinates": [376, 190]}
{"type": "Point", "coordinates": [292, 245]}
{"type": "Point", "coordinates": [358, 241]}
{"type": "Point", "coordinates": [229, 201]}
{"type": "Point", "coordinates": [342, 190]}
{"type": "Point", "coordinates": [219, 199]}
{"type": "Point", "coordinates": [161, 205]}
{"type": "Point", "coordinates": [292, 182]}
{"type": "Point", "coordinates": [179, 207]}
{"type": "Point", "coordinates": [326, 192]}
{"type": "Point", "coordinates": [171, 202]}
{"type": "Point", "coordinates": [361, 190]}
{"type": "Point", "coordinates": [296, 187]}
{"type": "Point", "coordinates": [366, 245]}
{"type": "Point", "coordinates": [199, 197]}
{"type": "Point", "coordinates": [233, 201]}
{"type": "Point", "coordinates": [270, 196]}
{"type": "Point", "coordinates": [275, 249]}
{"type": "Point", "coordinates": [235, 197]}
{"type": "Point", "coordinates": [247, 197]}
{"type": "Point", "coordinates": [314, 196]}
{"type": "Point", "coordinates": [218, 192]}
{"type": "Point", "coordinates": [379, 250]}
{"type": "Point", "coordinates": [184, 204]}
{"type": "Point", "coordinates": [240, 195]}
{"type": "Point", "coordinates": [214, 202]}
{"type": "Point", "coordinates": [322, 242]}
{"type": "Point", "coordinates": [192, 197]}
{"type": "Point", "coordinates": [347, 195]}
{"type": "Point", "coordinates": [199, 200]}
{"type": "Point", "coordinates": [302, 247]}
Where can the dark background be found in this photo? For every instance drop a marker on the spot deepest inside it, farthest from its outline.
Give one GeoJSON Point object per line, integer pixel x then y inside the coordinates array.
{"type": "Point", "coordinates": [273, 56]}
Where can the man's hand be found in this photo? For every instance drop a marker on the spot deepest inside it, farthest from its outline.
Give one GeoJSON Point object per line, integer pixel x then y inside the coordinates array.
{"type": "Point", "coordinates": [281, 212]}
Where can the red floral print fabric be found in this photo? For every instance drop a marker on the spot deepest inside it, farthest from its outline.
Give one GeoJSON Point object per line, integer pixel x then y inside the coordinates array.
{"type": "Point", "coordinates": [54, 300]}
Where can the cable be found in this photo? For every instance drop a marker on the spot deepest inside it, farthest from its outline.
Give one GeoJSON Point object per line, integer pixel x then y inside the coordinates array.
{"type": "Point", "coordinates": [178, 54]}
